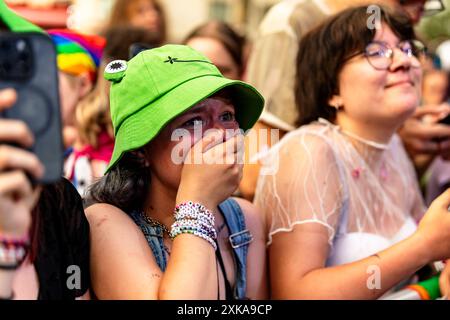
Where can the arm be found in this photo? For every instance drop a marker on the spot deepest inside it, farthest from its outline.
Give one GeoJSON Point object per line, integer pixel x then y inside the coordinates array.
{"type": "Point", "coordinates": [297, 260]}
{"type": "Point", "coordinates": [123, 266]}
{"type": "Point", "coordinates": [297, 264]}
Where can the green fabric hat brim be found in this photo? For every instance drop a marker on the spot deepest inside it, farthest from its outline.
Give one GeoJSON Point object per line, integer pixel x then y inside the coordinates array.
{"type": "Point", "coordinates": [14, 22]}
{"type": "Point", "coordinates": [144, 125]}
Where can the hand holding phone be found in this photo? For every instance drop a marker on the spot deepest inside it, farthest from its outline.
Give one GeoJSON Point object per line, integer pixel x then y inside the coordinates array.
{"type": "Point", "coordinates": [28, 65]}
{"type": "Point", "coordinates": [446, 119]}
{"type": "Point", "coordinates": [16, 193]}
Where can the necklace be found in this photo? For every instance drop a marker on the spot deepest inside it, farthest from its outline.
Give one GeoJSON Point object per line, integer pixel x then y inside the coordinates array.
{"type": "Point", "coordinates": [155, 223]}
{"type": "Point", "coordinates": [374, 144]}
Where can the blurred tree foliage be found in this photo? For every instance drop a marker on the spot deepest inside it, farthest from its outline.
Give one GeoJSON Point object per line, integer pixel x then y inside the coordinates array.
{"type": "Point", "coordinates": [436, 29]}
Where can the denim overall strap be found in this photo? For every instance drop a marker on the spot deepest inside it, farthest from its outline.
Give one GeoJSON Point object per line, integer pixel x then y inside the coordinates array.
{"type": "Point", "coordinates": [154, 236]}
{"type": "Point", "coordinates": [239, 239]}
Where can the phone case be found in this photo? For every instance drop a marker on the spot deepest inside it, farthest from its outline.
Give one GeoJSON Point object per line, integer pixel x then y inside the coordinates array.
{"type": "Point", "coordinates": [33, 74]}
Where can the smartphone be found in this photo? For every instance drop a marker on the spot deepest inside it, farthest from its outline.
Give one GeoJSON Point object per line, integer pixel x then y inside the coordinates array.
{"type": "Point", "coordinates": [28, 65]}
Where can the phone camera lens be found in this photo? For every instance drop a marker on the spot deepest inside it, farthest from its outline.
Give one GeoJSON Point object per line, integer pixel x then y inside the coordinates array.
{"type": "Point", "coordinates": [21, 45]}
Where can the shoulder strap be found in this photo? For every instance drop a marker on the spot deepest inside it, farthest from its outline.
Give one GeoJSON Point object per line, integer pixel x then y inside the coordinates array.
{"type": "Point", "coordinates": [228, 290]}
{"type": "Point", "coordinates": [240, 237]}
{"type": "Point", "coordinates": [154, 236]}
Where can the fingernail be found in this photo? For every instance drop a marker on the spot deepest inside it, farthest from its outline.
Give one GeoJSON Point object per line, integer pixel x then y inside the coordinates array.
{"type": "Point", "coordinates": [427, 119]}
{"type": "Point", "coordinates": [7, 94]}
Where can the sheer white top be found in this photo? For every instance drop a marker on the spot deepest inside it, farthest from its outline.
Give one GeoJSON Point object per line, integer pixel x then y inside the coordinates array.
{"type": "Point", "coordinates": [367, 198]}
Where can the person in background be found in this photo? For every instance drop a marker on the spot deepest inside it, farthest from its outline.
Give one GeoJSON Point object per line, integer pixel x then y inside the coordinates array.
{"type": "Point", "coordinates": [435, 87]}
{"type": "Point", "coordinates": [147, 14]}
{"type": "Point", "coordinates": [94, 144]}
{"type": "Point", "coordinates": [222, 45]}
{"type": "Point", "coordinates": [44, 233]}
{"type": "Point", "coordinates": [164, 225]}
{"type": "Point", "coordinates": [345, 199]}
{"type": "Point", "coordinates": [78, 58]}
{"type": "Point", "coordinates": [436, 90]}
{"type": "Point", "coordinates": [425, 139]}
{"type": "Point", "coordinates": [274, 53]}
{"type": "Point", "coordinates": [270, 69]}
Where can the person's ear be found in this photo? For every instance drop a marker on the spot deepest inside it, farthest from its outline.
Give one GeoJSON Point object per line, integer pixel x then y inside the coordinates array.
{"type": "Point", "coordinates": [85, 84]}
{"type": "Point", "coordinates": [336, 102]}
{"type": "Point", "coordinates": [141, 155]}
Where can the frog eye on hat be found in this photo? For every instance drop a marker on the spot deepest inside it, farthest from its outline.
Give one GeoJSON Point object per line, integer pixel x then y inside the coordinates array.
{"type": "Point", "coordinates": [115, 70]}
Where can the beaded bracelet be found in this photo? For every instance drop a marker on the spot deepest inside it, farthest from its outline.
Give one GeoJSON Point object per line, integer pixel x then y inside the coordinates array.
{"type": "Point", "coordinates": [12, 262]}
{"type": "Point", "coordinates": [191, 214]}
{"type": "Point", "coordinates": [178, 231]}
{"type": "Point", "coordinates": [210, 231]}
{"type": "Point", "coordinates": [194, 218]}
{"type": "Point", "coordinates": [12, 252]}
{"type": "Point", "coordinates": [11, 258]}
{"type": "Point", "coordinates": [14, 242]}
{"type": "Point", "coordinates": [193, 210]}
{"type": "Point", "coordinates": [194, 225]}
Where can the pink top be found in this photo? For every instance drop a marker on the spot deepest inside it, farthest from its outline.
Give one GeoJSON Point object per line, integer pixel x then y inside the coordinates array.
{"type": "Point", "coordinates": [77, 168]}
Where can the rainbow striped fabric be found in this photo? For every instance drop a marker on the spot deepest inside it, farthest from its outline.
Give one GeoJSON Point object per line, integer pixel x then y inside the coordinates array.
{"type": "Point", "coordinates": [77, 53]}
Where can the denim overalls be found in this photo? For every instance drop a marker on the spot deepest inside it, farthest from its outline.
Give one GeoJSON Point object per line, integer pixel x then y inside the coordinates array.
{"type": "Point", "coordinates": [239, 239]}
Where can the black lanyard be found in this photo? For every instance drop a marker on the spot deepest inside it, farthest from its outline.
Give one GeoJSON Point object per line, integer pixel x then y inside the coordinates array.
{"type": "Point", "coordinates": [228, 290]}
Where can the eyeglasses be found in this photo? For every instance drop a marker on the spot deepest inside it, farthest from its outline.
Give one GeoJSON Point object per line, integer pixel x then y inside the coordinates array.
{"type": "Point", "coordinates": [380, 55]}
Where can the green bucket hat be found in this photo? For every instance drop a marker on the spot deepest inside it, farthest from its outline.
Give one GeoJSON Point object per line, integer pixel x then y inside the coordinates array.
{"type": "Point", "coordinates": [14, 22]}
{"type": "Point", "coordinates": [160, 84]}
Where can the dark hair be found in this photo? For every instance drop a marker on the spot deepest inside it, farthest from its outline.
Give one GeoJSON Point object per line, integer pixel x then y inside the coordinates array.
{"type": "Point", "coordinates": [324, 50]}
{"type": "Point", "coordinates": [222, 32]}
{"type": "Point", "coordinates": [59, 206]}
{"type": "Point", "coordinates": [119, 40]}
{"type": "Point", "coordinates": [119, 16]}
{"type": "Point", "coordinates": [125, 186]}
{"type": "Point", "coordinates": [3, 26]}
